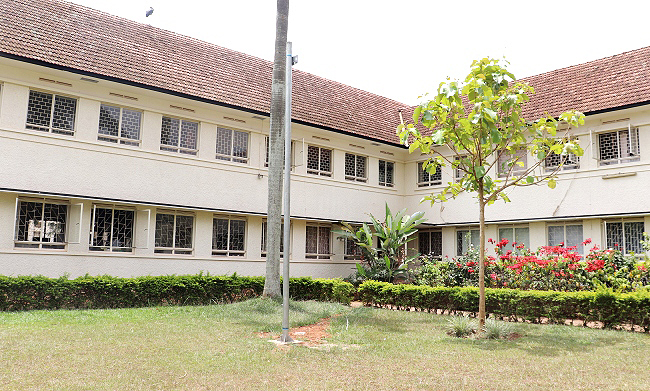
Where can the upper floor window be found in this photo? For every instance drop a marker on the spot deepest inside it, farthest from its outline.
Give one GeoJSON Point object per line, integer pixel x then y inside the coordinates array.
{"type": "Point", "coordinates": [112, 229]}
{"type": "Point", "coordinates": [430, 243]}
{"type": "Point", "coordinates": [318, 242]}
{"type": "Point", "coordinates": [41, 224]}
{"type": "Point", "coordinates": [174, 233]}
{"type": "Point", "coordinates": [386, 173]}
{"type": "Point", "coordinates": [179, 135]}
{"type": "Point", "coordinates": [119, 124]}
{"type": "Point", "coordinates": [568, 162]}
{"type": "Point", "coordinates": [513, 162]}
{"type": "Point", "coordinates": [266, 159]}
{"type": "Point", "coordinates": [355, 167]}
{"type": "Point", "coordinates": [51, 113]}
{"type": "Point", "coordinates": [621, 146]}
{"type": "Point", "coordinates": [458, 173]}
{"type": "Point", "coordinates": [625, 235]}
{"type": "Point", "coordinates": [466, 238]}
{"type": "Point", "coordinates": [319, 161]}
{"type": "Point", "coordinates": [426, 179]}
{"type": "Point", "coordinates": [568, 235]}
{"type": "Point", "coordinates": [518, 234]}
{"type": "Point", "coordinates": [232, 145]}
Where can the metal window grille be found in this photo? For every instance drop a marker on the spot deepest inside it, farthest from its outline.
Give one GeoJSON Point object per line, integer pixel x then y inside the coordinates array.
{"type": "Point", "coordinates": [232, 145]}
{"type": "Point", "coordinates": [265, 235]}
{"type": "Point", "coordinates": [179, 135]}
{"type": "Point", "coordinates": [228, 237]}
{"type": "Point", "coordinates": [465, 238]}
{"type": "Point", "coordinates": [355, 167]}
{"type": "Point", "coordinates": [41, 224]}
{"type": "Point", "coordinates": [51, 113]}
{"type": "Point", "coordinates": [521, 235]}
{"type": "Point", "coordinates": [568, 162]}
{"type": "Point", "coordinates": [569, 234]}
{"type": "Point", "coordinates": [511, 161]}
{"type": "Point", "coordinates": [173, 233]}
{"type": "Point", "coordinates": [386, 173]}
{"type": "Point", "coordinates": [458, 173]}
{"type": "Point", "coordinates": [318, 242]}
{"type": "Point", "coordinates": [117, 124]}
{"type": "Point", "coordinates": [352, 251]}
{"type": "Point", "coordinates": [625, 235]}
{"type": "Point", "coordinates": [319, 161]}
{"type": "Point", "coordinates": [430, 243]}
{"type": "Point", "coordinates": [266, 159]}
{"type": "Point", "coordinates": [427, 179]}
{"type": "Point", "coordinates": [621, 146]}
{"type": "Point", "coordinates": [112, 229]}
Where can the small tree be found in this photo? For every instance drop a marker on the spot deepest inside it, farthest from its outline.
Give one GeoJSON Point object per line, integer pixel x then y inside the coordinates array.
{"type": "Point", "coordinates": [478, 128]}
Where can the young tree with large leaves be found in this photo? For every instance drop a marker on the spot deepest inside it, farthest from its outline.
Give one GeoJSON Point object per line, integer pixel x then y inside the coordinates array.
{"type": "Point", "coordinates": [477, 127]}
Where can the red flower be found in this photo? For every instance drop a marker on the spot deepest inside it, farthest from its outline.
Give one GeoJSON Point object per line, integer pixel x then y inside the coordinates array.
{"type": "Point", "coordinates": [471, 270]}
{"type": "Point", "coordinates": [493, 276]}
{"type": "Point", "coordinates": [586, 242]}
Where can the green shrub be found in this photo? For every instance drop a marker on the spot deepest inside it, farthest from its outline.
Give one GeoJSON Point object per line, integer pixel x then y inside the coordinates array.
{"type": "Point", "coordinates": [496, 329]}
{"type": "Point", "coordinates": [461, 326]}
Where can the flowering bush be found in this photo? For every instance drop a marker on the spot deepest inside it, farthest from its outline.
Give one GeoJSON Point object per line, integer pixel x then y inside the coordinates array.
{"type": "Point", "coordinates": [557, 268]}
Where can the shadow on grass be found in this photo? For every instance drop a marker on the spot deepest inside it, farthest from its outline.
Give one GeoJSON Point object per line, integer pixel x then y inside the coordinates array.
{"type": "Point", "coordinates": [377, 319]}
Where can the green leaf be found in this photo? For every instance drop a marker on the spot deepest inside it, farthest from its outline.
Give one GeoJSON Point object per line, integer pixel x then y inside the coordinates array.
{"type": "Point", "coordinates": [480, 172]}
{"type": "Point", "coordinates": [552, 183]}
{"type": "Point", "coordinates": [530, 179]}
{"type": "Point", "coordinates": [416, 114]}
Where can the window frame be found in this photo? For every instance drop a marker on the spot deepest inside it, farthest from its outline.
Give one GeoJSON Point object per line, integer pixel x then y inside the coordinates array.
{"type": "Point", "coordinates": [514, 228]}
{"type": "Point", "coordinates": [230, 157]}
{"type": "Point", "coordinates": [42, 224]}
{"type": "Point", "coordinates": [229, 252]}
{"type": "Point", "coordinates": [623, 222]}
{"type": "Point", "coordinates": [50, 128]}
{"type": "Point", "coordinates": [634, 156]}
{"type": "Point", "coordinates": [174, 250]}
{"type": "Point", "coordinates": [355, 177]}
{"type": "Point", "coordinates": [120, 139]}
{"type": "Point", "coordinates": [266, 157]}
{"type": "Point", "coordinates": [503, 168]}
{"type": "Point", "coordinates": [177, 148]}
{"type": "Point", "coordinates": [385, 182]}
{"type": "Point", "coordinates": [565, 240]}
{"type": "Point", "coordinates": [320, 171]}
{"type": "Point", "coordinates": [460, 238]}
{"type": "Point", "coordinates": [110, 248]}
{"type": "Point", "coordinates": [263, 238]}
{"type": "Point", "coordinates": [430, 242]}
{"type": "Point", "coordinates": [430, 182]}
{"type": "Point", "coordinates": [318, 254]}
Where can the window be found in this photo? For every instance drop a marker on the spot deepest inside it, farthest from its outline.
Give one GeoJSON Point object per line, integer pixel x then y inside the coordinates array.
{"type": "Point", "coordinates": [458, 173]}
{"type": "Point", "coordinates": [266, 159]}
{"type": "Point", "coordinates": [465, 237]}
{"type": "Point", "coordinates": [112, 229]}
{"type": "Point", "coordinates": [355, 167]}
{"type": "Point", "coordinates": [228, 236]}
{"type": "Point", "coordinates": [513, 162]}
{"type": "Point", "coordinates": [41, 224]}
{"type": "Point", "coordinates": [174, 233]}
{"type": "Point", "coordinates": [569, 234]}
{"type": "Point", "coordinates": [232, 145]}
{"type": "Point", "coordinates": [319, 161]}
{"type": "Point", "coordinates": [430, 243]}
{"type": "Point", "coordinates": [519, 234]}
{"type": "Point", "coordinates": [621, 146]}
{"type": "Point", "coordinates": [179, 135]}
{"type": "Point", "coordinates": [568, 162]}
{"type": "Point", "coordinates": [386, 173]}
{"type": "Point", "coordinates": [318, 242]}
{"type": "Point", "coordinates": [51, 113]}
{"type": "Point", "coordinates": [118, 124]}
{"type": "Point", "coordinates": [352, 251]}
{"type": "Point", "coordinates": [264, 236]}
{"type": "Point", "coordinates": [426, 179]}
{"type": "Point", "coordinates": [625, 235]}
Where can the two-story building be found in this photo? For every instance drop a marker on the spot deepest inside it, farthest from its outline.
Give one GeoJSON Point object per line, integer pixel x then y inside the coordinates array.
{"type": "Point", "coordinates": [130, 150]}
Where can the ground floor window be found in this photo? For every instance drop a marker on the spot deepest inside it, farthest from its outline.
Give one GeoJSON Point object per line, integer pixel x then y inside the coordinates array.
{"type": "Point", "coordinates": [41, 224]}
{"type": "Point", "coordinates": [112, 229]}
{"type": "Point", "coordinates": [466, 237]}
{"type": "Point", "coordinates": [228, 236]}
{"type": "Point", "coordinates": [567, 235]}
{"type": "Point", "coordinates": [174, 233]}
{"type": "Point", "coordinates": [430, 243]}
{"type": "Point", "coordinates": [518, 234]}
{"type": "Point", "coordinates": [318, 241]}
{"type": "Point", "coordinates": [352, 250]}
{"type": "Point", "coordinates": [624, 235]}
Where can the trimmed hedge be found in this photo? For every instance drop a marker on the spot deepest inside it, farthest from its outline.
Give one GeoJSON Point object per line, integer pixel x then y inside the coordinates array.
{"type": "Point", "coordinates": [38, 292]}
{"type": "Point", "coordinates": [605, 306]}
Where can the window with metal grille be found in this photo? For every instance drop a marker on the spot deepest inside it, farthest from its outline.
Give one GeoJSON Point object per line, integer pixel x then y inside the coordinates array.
{"type": "Point", "coordinates": [41, 224]}
{"type": "Point", "coordinates": [465, 238]}
{"type": "Point", "coordinates": [266, 159]}
{"type": "Point", "coordinates": [430, 243]}
{"type": "Point", "coordinates": [119, 124]}
{"type": "Point", "coordinates": [264, 238]}
{"type": "Point", "coordinates": [51, 113]}
{"type": "Point", "coordinates": [355, 167]}
{"type": "Point", "coordinates": [228, 236]}
{"type": "Point", "coordinates": [232, 145]}
{"type": "Point", "coordinates": [352, 251]}
{"type": "Point", "coordinates": [458, 173]}
{"type": "Point", "coordinates": [568, 234]}
{"type": "Point", "coordinates": [112, 229]}
{"type": "Point", "coordinates": [568, 162]}
{"type": "Point", "coordinates": [179, 135]}
{"type": "Point", "coordinates": [519, 234]}
{"type": "Point", "coordinates": [318, 242]}
{"type": "Point", "coordinates": [625, 235]}
{"type": "Point", "coordinates": [426, 179]}
{"type": "Point", "coordinates": [174, 233]}
{"type": "Point", "coordinates": [319, 161]}
{"type": "Point", "coordinates": [621, 146]}
{"type": "Point", "coordinates": [513, 162]}
{"type": "Point", "coordinates": [386, 173]}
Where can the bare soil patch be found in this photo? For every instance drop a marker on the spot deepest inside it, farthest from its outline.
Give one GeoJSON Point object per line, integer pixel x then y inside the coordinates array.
{"type": "Point", "coordinates": [308, 335]}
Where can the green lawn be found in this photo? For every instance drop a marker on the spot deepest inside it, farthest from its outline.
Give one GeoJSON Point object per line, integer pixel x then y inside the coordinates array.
{"type": "Point", "coordinates": [217, 348]}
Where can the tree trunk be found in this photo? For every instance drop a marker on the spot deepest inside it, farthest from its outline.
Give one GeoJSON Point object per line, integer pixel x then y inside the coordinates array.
{"type": "Point", "coordinates": [481, 258]}
{"type": "Point", "coordinates": [276, 153]}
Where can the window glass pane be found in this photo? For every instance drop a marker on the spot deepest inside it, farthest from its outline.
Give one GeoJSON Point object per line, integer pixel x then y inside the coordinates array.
{"type": "Point", "coordinates": [164, 230]}
{"type": "Point", "coordinates": [325, 160]}
{"type": "Point", "coordinates": [184, 225]}
{"type": "Point", "coordinates": [633, 237]}
{"type": "Point", "coordinates": [323, 240]}
{"type": "Point", "coordinates": [237, 232]}
{"type": "Point", "coordinates": [28, 221]}
{"type": "Point", "coordinates": [220, 234]}
{"type": "Point", "coordinates": [54, 216]}
{"type": "Point", "coordinates": [349, 165]}
{"type": "Point", "coordinates": [311, 240]}
{"type": "Point", "coordinates": [522, 236]}
{"type": "Point", "coordinates": [189, 133]}
{"type": "Point", "coordinates": [506, 233]}
{"type": "Point", "coordinates": [131, 120]}
{"type": "Point", "coordinates": [313, 155]}
{"type": "Point", "coordinates": [64, 113]}
{"type": "Point", "coordinates": [555, 235]}
{"type": "Point", "coordinates": [39, 108]}
{"type": "Point", "coordinates": [102, 228]}
{"type": "Point", "coordinates": [574, 237]}
{"type": "Point", "coordinates": [389, 173]}
{"type": "Point", "coordinates": [170, 131]}
{"type": "Point", "coordinates": [240, 146]}
{"type": "Point", "coordinates": [109, 120]}
{"type": "Point", "coordinates": [424, 242]}
{"type": "Point", "coordinates": [614, 233]}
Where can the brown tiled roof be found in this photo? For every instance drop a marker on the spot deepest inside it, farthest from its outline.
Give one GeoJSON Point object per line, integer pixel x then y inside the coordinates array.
{"type": "Point", "coordinates": [79, 38]}
{"type": "Point", "coordinates": [69, 35]}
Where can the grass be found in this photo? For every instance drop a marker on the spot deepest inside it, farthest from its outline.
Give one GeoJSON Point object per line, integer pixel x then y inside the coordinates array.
{"type": "Point", "coordinates": [217, 348]}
